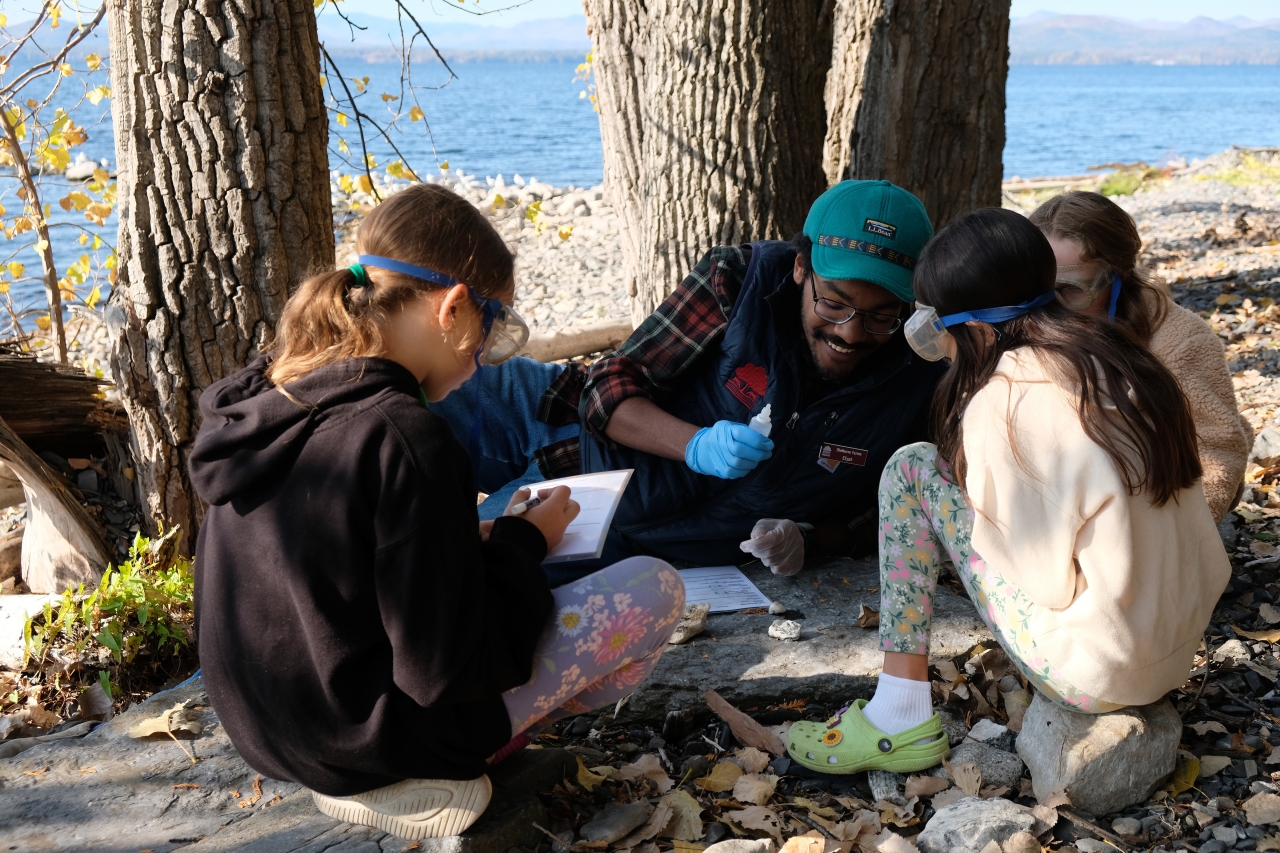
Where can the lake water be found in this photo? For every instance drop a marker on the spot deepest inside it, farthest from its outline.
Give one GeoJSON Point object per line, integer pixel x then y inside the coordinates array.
{"type": "Point", "coordinates": [504, 117]}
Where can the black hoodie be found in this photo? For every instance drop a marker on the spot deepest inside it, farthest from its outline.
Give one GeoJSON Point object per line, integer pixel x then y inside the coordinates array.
{"type": "Point", "coordinates": [353, 629]}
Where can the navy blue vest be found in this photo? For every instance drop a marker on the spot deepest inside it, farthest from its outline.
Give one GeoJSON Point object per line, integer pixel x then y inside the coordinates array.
{"type": "Point", "coordinates": [670, 511]}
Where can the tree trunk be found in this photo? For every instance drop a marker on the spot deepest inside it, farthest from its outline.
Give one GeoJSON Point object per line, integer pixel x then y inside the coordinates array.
{"type": "Point", "coordinates": [221, 140]}
{"type": "Point", "coordinates": [712, 119]}
{"type": "Point", "coordinates": [916, 96]}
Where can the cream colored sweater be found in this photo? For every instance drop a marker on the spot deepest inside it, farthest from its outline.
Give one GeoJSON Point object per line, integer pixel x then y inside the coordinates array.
{"type": "Point", "coordinates": [1193, 353]}
{"type": "Point", "coordinates": [1123, 589]}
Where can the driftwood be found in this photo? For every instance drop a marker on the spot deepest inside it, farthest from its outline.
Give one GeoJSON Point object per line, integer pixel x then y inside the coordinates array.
{"type": "Point", "coordinates": [582, 340]}
{"type": "Point", "coordinates": [11, 493]}
{"type": "Point", "coordinates": [56, 406]}
{"type": "Point", "coordinates": [63, 545]}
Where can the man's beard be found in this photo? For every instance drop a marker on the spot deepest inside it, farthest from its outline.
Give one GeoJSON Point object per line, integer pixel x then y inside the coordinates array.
{"type": "Point", "coordinates": [827, 374]}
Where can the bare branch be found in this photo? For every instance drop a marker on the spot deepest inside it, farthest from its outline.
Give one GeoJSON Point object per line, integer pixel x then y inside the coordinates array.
{"type": "Point", "coordinates": [42, 68]}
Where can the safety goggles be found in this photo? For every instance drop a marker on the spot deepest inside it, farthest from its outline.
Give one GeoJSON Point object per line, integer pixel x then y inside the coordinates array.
{"type": "Point", "coordinates": [1077, 290]}
{"type": "Point", "coordinates": [927, 333]}
{"type": "Point", "coordinates": [504, 332]}
{"type": "Point", "coordinates": [838, 313]}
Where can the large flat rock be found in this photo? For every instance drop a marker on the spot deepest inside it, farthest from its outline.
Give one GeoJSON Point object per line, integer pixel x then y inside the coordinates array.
{"type": "Point", "coordinates": [833, 661]}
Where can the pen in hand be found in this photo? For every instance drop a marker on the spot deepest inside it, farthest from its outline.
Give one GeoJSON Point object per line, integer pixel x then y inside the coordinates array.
{"type": "Point", "coordinates": [520, 508]}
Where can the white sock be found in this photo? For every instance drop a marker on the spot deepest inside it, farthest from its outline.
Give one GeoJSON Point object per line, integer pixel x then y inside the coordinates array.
{"type": "Point", "coordinates": [899, 704]}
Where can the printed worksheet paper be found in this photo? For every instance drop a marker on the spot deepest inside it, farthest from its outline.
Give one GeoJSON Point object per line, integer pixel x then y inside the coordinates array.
{"type": "Point", "coordinates": [599, 496]}
{"type": "Point", "coordinates": [725, 588]}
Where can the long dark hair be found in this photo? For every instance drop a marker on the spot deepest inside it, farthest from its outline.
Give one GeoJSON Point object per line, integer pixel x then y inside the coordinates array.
{"type": "Point", "coordinates": [990, 258]}
{"type": "Point", "coordinates": [1109, 235]}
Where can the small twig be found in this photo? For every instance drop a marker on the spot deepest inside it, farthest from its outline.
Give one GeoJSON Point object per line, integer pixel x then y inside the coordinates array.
{"type": "Point", "coordinates": [1109, 837]}
{"type": "Point", "coordinates": [169, 730]}
{"type": "Point", "coordinates": [717, 747]}
{"type": "Point", "coordinates": [811, 823]}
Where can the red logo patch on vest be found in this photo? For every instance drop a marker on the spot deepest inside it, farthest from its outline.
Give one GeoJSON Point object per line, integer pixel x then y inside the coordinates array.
{"type": "Point", "coordinates": [748, 384]}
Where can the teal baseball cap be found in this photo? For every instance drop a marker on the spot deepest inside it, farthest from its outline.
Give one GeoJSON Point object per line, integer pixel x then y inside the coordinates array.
{"type": "Point", "coordinates": [868, 230]}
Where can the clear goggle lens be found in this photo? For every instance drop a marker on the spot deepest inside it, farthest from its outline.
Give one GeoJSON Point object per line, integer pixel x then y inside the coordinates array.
{"type": "Point", "coordinates": [926, 334]}
{"type": "Point", "coordinates": [1077, 290]}
{"type": "Point", "coordinates": [507, 336]}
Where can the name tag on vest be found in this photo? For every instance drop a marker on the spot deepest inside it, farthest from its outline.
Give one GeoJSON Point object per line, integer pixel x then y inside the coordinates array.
{"type": "Point", "coordinates": [831, 455]}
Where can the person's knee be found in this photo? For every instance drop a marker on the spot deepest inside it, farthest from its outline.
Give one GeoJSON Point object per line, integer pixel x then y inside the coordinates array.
{"type": "Point", "coordinates": [664, 593]}
{"type": "Point", "coordinates": [905, 463]}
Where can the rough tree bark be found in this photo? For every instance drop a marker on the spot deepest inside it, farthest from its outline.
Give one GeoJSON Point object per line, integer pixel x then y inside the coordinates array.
{"type": "Point", "coordinates": [916, 96]}
{"type": "Point", "coordinates": [224, 207]}
{"type": "Point", "coordinates": [712, 119]}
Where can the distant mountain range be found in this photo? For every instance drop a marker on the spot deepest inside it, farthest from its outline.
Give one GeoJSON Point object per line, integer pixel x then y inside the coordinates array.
{"type": "Point", "coordinates": [1045, 38]}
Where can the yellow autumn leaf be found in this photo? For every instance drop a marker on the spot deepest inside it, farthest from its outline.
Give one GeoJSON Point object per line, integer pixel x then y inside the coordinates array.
{"type": "Point", "coordinates": [586, 778]}
{"type": "Point", "coordinates": [317, 3]}
{"type": "Point", "coordinates": [16, 269]}
{"type": "Point", "coordinates": [415, 113]}
{"type": "Point", "coordinates": [444, 167]}
{"type": "Point", "coordinates": [4, 20]}
{"type": "Point", "coordinates": [2, 210]}
{"type": "Point", "coordinates": [43, 323]}
{"type": "Point", "coordinates": [100, 176]}
{"type": "Point", "coordinates": [395, 169]}
{"type": "Point", "coordinates": [94, 295]}
{"type": "Point", "coordinates": [342, 119]}
{"type": "Point", "coordinates": [565, 232]}
{"type": "Point", "coordinates": [78, 200]}
{"type": "Point", "coordinates": [1184, 778]}
{"type": "Point", "coordinates": [499, 201]}
{"type": "Point", "coordinates": [370, 161]}
{"type": "Point", "coordinates": [96, 94]}
{"type": "Point", "coordinates": [41, 245]}
{"type": "Point", "coordinates": [83, 238]}
{"type": "Point", "coordinates": [722, 777]}
{"type": "Point", "coordinates": [93, 61]}
{"type": "Point", "coordinates": [388, 98]}
{"type": "Point", "coordinates": [534, 212]}
{"type": "Point", "coordinates": [97, 213]}
{"type": "Point", "coordinates": [365, 185]}
{"type": "Point", "coordinates": [55, 12]}
{"type": "Point", "coordinates": [66, 69]}
{"type": "Point", "coordinates": [342, 146]}
{"type": "Point", "coordinates": [348, 186]}
{"type": "Point", "coordinates": [4, 287]}
{"type": "Point", "coordinates": [97, 242]}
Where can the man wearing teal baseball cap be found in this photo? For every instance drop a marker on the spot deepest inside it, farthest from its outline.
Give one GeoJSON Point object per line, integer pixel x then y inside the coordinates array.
{"type": "Point", "coordinates": [758, 404]}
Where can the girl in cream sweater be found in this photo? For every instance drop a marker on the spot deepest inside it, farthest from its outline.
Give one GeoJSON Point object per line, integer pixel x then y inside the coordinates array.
{"type": "Point", "coordinates": [1064, 487]}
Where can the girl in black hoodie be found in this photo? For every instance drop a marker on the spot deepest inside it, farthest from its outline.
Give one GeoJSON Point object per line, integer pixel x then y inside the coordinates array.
{"type": "Point", "coordinates": [360, 632]}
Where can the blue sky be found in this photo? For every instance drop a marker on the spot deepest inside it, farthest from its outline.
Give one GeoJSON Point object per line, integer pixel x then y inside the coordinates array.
{"type": "Point", "coordinates": [1168, 10]}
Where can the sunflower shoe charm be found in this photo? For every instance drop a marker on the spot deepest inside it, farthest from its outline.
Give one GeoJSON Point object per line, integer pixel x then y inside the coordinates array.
{"type": "Point", "coordinates": [848, 743]}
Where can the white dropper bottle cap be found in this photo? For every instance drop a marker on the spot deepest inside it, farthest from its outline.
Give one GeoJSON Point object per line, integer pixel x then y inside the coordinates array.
{"type": "Point", "coordinates": [761, 423]}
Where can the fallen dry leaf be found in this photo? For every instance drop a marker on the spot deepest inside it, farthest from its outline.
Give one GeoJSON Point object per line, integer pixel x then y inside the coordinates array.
{"type": "Point", "coordinates": [814, 809]}
{"type": "Point", "coordinates": [1046, 819]}
{"type": "Point", "coordinates": [41, 718]}
{"type": "Point", "coordinates": [657, 821]}
{"type": "Point", "coordinates": [186, 785]}
{"type": "Point", "coordinates": [177, 720]}
{"type": "Point", "coordinates": [758, 817]}
{"type": "Point", "coordinates": [751, 759]}
{"type": "Point", "coordinates": [1265, 636]}
{"type": "Point", "coordinates": [1204, 728]}
{"type": "Point", "coordinates": [687, 846]}
{"type": "Point", "coordinates": [947, 797]}
{"type": "Point", "coordinates": [89, 770]}
{"type": "Point", "coordinates": [925, 786]}
{"type": "Point", "coordinates": [896, 815]}
{"type": "Point", "coordinates": [94, 702]}
{"type": "Point", "coordinates": [1262, 808]}
{"type": "Point", "coordinates": [1211, 765]}
{"type": "Point", "coordinates": [1271, 614]}
{"type": "Point", "coordinates": [968, 777]}
{"type": "Point", "coordinates": [1269, 842]}
{"type": "Point", "coordinates": [1184, 776]}
{"type": "Point", "coordinates": [745, 729]}
{"type": "Point", "coordinates": [891, 842]}
{"type": "Point", "coordinates": [868, 617]}
{"type": "Point", "coordinates": [686, 816]}
{"type": "Point", "coordinates": [812, 842]}
{"type": "Point", "coordinates": [721, 778]}
{"type": "Point", "coordinates": [852, 803]}
{"type": "Point", "coordinates": [648, 767]}
{"type": "Point", "coordinates": [1058, 800]}
{"type": "Point", "coordinates": [755, 788]}
{"type": "Point", "coordinates": [586, 778]}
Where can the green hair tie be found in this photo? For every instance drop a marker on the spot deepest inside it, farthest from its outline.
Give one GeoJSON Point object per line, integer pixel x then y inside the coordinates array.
{"type": "Point", "coordinates": [358, 271]}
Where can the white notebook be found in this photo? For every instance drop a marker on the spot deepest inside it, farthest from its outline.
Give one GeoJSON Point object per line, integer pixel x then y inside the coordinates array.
{"type": "Point", "coordinates": [599, 496]}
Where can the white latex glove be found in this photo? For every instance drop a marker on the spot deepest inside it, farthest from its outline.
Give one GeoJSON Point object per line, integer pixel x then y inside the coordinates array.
{"type": "Point", "coordinates": [778, 543]}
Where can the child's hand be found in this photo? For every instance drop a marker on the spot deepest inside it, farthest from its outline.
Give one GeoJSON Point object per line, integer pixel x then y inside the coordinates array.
{"type": "Point", "coordinates": [552, 515]}
{"type": "Point", "coordinates": [486, 527]}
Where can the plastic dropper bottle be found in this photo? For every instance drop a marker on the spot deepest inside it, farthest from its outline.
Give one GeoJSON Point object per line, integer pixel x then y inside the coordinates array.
{"type": "Point", "coordinates": [761, 423]}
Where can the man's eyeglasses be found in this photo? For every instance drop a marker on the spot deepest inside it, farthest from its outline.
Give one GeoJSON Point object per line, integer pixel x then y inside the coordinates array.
{"type": "Point", "coordinates": [839, 314]}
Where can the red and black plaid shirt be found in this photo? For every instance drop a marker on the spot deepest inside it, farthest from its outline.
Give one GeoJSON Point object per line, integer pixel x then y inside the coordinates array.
{"type": "Point", "coordinates": [650, 363]}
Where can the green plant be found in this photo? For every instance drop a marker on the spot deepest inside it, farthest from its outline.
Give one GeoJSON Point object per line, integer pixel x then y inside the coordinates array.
{"type": "Point", "coordinates": [136, 625]}
{"type": "Point", "coordinates": [1251, 171]}
{"type": "Point", "coordinates": [1120, 183]}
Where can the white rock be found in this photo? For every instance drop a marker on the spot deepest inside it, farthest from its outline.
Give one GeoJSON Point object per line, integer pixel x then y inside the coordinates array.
{"type": "Point", "coordinates": [986, 730]}
{"type": "Point", "coordinates": [777, 608]}
{"type": "Point", "coordinates": [1126, 826]}
{"type": "Point", "coordinates": [1234, 649]}
{"type": "Point", "coordinates": [968, 825]}
{"type": "Point", "coordinates": [785, 629]}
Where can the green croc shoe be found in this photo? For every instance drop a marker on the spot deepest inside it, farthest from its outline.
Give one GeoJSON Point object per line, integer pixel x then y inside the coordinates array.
{"type": "Point", "coordinates": [848, 743]}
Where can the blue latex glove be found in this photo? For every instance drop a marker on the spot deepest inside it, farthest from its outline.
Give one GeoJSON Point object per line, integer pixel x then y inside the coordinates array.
{"type": "Point", "coordinates": [727, 450]}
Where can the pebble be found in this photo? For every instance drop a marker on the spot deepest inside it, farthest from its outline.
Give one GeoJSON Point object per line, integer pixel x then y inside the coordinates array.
{"type": "Point", "coordinates": [716, 831]}
{"type": "Point", "coordinates": [695, 767]}
{"type": "Point", "coordinates": [1234, 649]}
{"type": "Point", "coordinates": [580, 726]}
{"type": "Point", "coordinates": [785, 629]}
{"type": "Point", "coordinates": [777, 608]}
{"type": "Point", "coordinates": [1213, 845]}
{"type": "Point", "coordinates": [1126, 826]}
{"type": "Point", "coordinates": [614, 822]}
{"type": "Point", "coordinates": [1093, 845]}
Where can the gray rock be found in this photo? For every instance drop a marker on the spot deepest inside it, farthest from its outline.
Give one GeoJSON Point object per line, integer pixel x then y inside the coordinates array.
{"type": "Point", "coordinates": [999, 768]}
{"type": "Point", "coordinates": [1234, 649]}
{"type": "Point", "coordinates": [785, 629]}
{"type": "Point", "coordinates": [1103, 762]}
{"type": "Point", "coordinates": [1228, 532]}
{"type": "Point", "coordinates": [1213, 845]}
{"type": "Point", "coordinates": [1093, 845]}
{"type": "Point", "coordinates": [614, 821]}
{"type": "Point", "coordinates": [837, 661]}
{"type": "Point", "coordinates": [742, 845]}
{"type": "Point", "coordinates": [1266, 447]}
{"type": "Point", "coordinates": [87, 480]}
{"type": "Point", "coordinates": [1126, 826]}
{"type": "Point", "coordinates": [968, 825]}
{"type": "Point", "coordinates": [887, 785]}
{"type": "Point", "coordinates": [695, 767]}
{"type": "Point", "coordinates": [953, 725]}
{"type": "Point", "coordinates": [1225, 834]}
{"type": "Point", "coordinates": [716, 832]}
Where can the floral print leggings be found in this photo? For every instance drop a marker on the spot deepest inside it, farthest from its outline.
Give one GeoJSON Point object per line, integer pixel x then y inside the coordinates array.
{"type": "Point", "coordinates": [924, 518]}
{"type": "Point", "coordinates": [606, 635]}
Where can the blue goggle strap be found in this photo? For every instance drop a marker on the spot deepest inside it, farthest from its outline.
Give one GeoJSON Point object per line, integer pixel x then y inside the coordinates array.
{"type": "Point", "coordinates": [1115, 296]}
{"type": "Point", "coordinates": [998, 315]}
